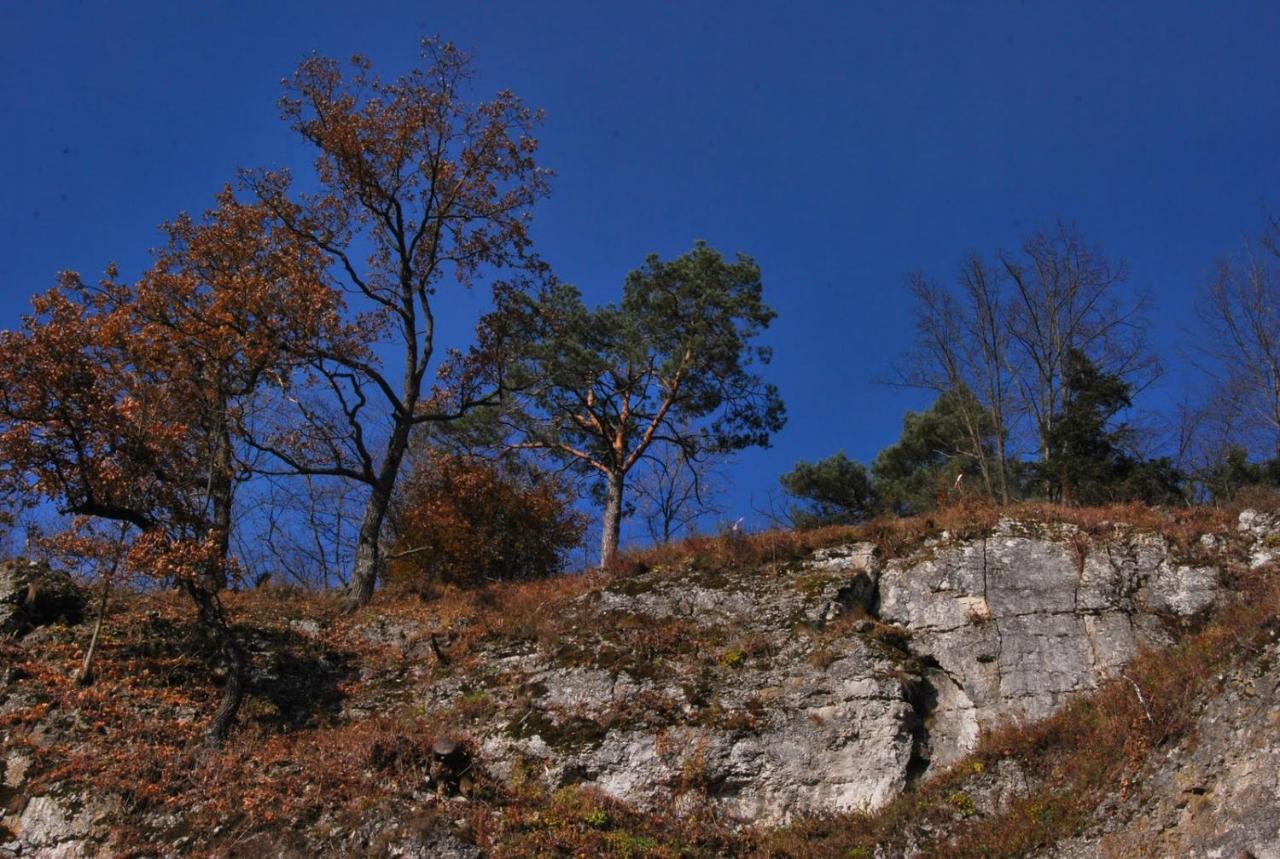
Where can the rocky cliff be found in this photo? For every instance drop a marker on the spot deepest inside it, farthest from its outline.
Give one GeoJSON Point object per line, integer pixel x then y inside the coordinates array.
{"type": "Point", "coordinates": [760, 693]}
{"type": "Point", "coordinates": [838, 679]}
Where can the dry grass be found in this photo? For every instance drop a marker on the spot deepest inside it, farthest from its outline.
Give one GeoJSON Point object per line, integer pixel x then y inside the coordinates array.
{"type": "Point", "coordinates": [295, 764]}
{"type": "Point", "coordinates": [1090, 752]}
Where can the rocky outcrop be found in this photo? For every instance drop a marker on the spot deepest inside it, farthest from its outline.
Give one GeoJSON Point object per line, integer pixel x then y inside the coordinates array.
{"type": "Point", "coordinates": [33, 595]}
{"type": "Point", "coordinates": [1014, 623]}
{"type": "Point", "coordinates": [1217, 794]}
{"type": "Point", "coordinates": [764, 712]}
{"type": "Point", "coordinates": [828, 685]}
{"type": "Point", "coordinates": [776, 691]}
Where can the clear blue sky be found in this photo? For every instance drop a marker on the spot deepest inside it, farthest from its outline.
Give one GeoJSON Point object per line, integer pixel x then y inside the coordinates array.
{"type": "Point", "coordinates": [840, 144]}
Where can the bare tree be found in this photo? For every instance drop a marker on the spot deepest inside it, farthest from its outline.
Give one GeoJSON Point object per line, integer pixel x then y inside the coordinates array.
{"type": "Point", "coordinates": [963, 345]}
{"type": "Point", "coordinates": [1003, 333]}
{"type": "Point", "coordinates": [1066, 296]}
{"type": "Point", "coordinates": [673, 491]}
{"type": "Point", "coordinates": [1240, 309]}
{"type": "Point", "coordinates": [299, 530]}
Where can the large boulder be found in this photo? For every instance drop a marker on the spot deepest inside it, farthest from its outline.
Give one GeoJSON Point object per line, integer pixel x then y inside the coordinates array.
{"type": "Point", "coordinates": [32, 594]}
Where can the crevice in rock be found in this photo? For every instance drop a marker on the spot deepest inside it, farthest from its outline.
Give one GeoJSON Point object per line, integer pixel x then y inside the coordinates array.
{"type": "Point", "coordinates": [986, 597]}
{"type": "Point", "coordinates": [920, 692]}
{"type": "Point", "coordinates": [862, 591]}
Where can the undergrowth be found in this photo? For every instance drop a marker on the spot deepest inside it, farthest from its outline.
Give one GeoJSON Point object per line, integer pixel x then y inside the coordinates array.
{"type": "Point", "coordinates": [297, 764]}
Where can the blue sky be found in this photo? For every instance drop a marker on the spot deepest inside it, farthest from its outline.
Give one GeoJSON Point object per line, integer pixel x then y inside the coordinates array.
{"type": "Point", "coordinates": [840, 144]}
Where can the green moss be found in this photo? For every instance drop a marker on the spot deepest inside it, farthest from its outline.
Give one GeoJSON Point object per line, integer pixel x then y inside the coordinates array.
{"type": "Point", "coordinates": [813, 584]}
{"type": "Point", "coordinates": [733, 658]}
{"type": "Point", "coordinates": [627, 845]}
{"type": "Point", "coordinates": [963, 803]}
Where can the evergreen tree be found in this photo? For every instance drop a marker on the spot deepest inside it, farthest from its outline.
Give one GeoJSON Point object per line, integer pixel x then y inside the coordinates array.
{"type": "Point", "coordinates": [936, 447]}
{"type": "Point", "coordinates": [832, 491]}
{"type": "Point", "coordinates": [1087, 460]}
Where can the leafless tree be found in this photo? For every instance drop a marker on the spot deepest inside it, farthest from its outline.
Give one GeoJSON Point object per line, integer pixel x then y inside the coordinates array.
{"type": "Point", "coordinates": [1240, 309]}
{"type": "Point", "coordinates": [673, 491]}
{"type": "Point", "coordinates": [1066, 295]}
{"type": "Point", "coordinates": [963, 343]}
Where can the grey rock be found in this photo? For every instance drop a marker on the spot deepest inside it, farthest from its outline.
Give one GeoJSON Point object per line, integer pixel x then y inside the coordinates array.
{"type": "Point", "coordinates": [1021, 620]}
{"type": "Point", "coordinates": [63, 828]}
{"type": "Point", "coordinates": [1217, 794]}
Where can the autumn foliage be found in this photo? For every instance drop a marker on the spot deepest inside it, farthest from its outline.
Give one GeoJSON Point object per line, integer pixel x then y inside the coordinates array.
{"type": "Point", "coordinates": [465, 521]}
{"type": "Point", "coordinates": [128, 402]}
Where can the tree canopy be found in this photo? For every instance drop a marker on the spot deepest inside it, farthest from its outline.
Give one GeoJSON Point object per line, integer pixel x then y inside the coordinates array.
{"type": "Point", "coordinates": [672, 363]}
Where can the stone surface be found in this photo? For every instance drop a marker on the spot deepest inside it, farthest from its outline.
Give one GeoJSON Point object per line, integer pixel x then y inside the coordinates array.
{"type": "Point", "coordinates": [34, 595]}
{"type": "Point", "coordinates": [822, 685]}
{"type": "Point", "coordinates": [54, 828]}
{"type": "Point", "coordinates": [1215, 795]}
{"type": "Point", "coordinates": [839, 715]}
{"type": "Point", "coordinates": [1020, 620]}
{"type": "Point", "coordinates": [780, 730]}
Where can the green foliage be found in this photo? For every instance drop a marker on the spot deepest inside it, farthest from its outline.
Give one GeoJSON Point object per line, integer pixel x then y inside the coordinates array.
{"type": "Point", "coordinates": [833, 491]}
{"type": "Point", "coordinates": [1087, 461]}
{"type": "Point", "coordinates": [1233, 472]}
{"type": "Point", "coordinates": [935, 447]}
{"type": "Point", "coordinates": [673, 363]}
{"type": "Point", "coordinates": [678, 350]}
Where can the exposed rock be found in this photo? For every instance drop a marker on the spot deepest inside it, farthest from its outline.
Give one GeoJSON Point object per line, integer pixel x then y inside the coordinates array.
{"type": "Point", "coordinates": [34, 595]}
{"type": "Point", "coordinates": [796, 688]}
{"type": "Point", "coordinates": [1215, 795]}
{"type": "Point", "coordinates": [841, 716]}
{"type": "Point", "coordinates": [777, 720]}
{"type": "Point", "coordinates": [1020, 620]}
{"type": "Point", "coordinates": [62, 828]}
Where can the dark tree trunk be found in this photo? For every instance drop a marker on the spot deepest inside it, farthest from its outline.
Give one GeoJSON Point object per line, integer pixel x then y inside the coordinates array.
{"type": "Point", "coordinates": [221, 495]}
{"type": "Point", "coordinates": [234, 657]}
{"type": "Point", "coordinates": [369, 560]}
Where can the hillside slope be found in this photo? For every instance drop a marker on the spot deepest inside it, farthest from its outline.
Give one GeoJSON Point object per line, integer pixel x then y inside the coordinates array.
{"type": "Point", "coordinates": [691, 705]}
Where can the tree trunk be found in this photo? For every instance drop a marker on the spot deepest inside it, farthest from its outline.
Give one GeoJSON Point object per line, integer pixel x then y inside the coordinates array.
{"type": "Point", "coordinates": [85, 677]}
{"type": "Point", "coordinates": [612, 520]}
{"type": "Point", "coordinates": [1002, 464]}
{"type": "Point", "coordinates": [221, 492]}
{"type": "Point", "coordinates": [234, 657]}
{"type": "Point", "coordinates": [369, 561]}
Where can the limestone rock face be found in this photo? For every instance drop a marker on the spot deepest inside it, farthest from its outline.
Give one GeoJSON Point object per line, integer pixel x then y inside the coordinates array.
{"type": "Point", "coordinates": [32, 595]}
{"type": "Point", "coordinates": [827, 684]}
{"type": "Point", "coordinates": [1218, 792]}
{"type": "Point", "coordinates": [1016, 622]}
{"type": "Point", "coordinates": [62, 829]}
{"type": "Point", "coordinates": [780, 719]}
{"type": "Point", "coordinates": [834, 682]}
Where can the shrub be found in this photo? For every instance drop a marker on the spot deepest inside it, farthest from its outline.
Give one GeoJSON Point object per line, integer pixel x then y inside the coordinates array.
{"type": "Point", "coordinates": [463, 521]}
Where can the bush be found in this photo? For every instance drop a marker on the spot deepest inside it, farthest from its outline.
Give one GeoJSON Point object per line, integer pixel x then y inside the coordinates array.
{"type": "Point", "coordinates": [464, 521]}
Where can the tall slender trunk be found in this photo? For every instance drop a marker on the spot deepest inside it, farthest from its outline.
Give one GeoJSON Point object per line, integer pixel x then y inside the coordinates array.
{"type": "Point", "coordinates": [369, 560]}
{"type": "Point", "coordinates": [612, 519]}
{"type": "Point", "coordinates": [212, 580]}
{"type": "Point", "coordinates": [1002, 462]}
{"type": "Point", "coordinates": [85, 677]}
{"type": "Point", "coordinates": [221, 491]}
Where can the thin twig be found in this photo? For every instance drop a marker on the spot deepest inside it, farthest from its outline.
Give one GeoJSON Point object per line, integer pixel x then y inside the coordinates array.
{"type": "Point", "coordinates": [1141, 700]}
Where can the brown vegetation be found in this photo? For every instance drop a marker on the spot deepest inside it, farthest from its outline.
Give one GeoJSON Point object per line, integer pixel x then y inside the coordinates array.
{"type": "Point", "coordinates": [298, 763]}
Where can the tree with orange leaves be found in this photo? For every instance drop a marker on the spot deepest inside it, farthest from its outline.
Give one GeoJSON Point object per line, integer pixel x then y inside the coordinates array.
{"type": "Point", "coordinates": [465, 521]}
{"type": "Point", "coordinates": [419, 187]}
{"type": "Point", "coordinates": [125, 401]}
